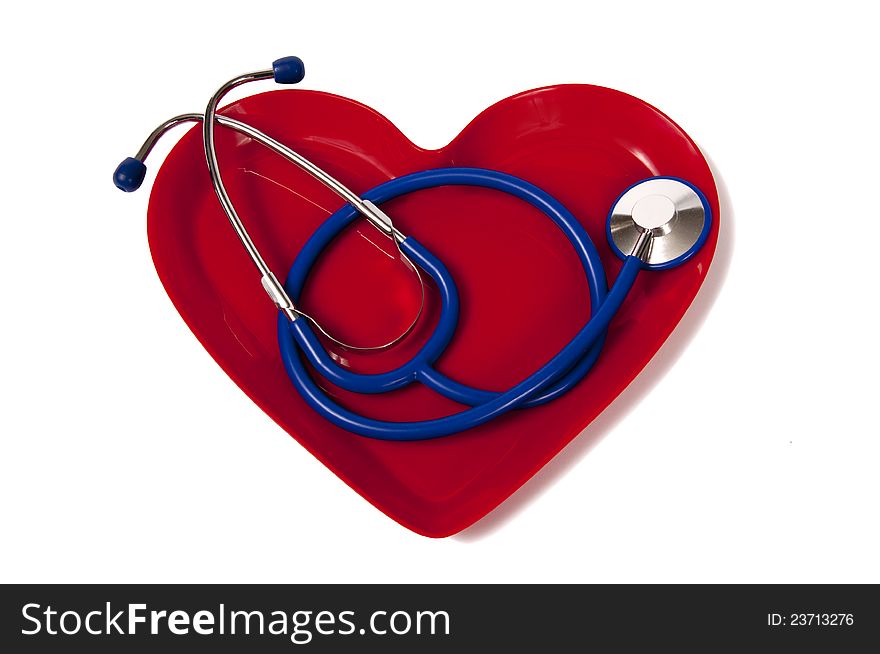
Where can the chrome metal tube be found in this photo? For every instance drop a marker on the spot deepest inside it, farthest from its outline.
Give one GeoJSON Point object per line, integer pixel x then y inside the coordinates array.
{"type": "Point", "coordinates": [643, 245]}
{"type": "Point", "coordinates": [270, 283]}
{"type": "Point", "coordinates": [378, 218]}
{"type": "Point", "coordinates": [268, 279]}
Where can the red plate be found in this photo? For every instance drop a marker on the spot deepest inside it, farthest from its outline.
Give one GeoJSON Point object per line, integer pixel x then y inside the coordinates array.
{"type": "Point", "coordinates": [523, 293]}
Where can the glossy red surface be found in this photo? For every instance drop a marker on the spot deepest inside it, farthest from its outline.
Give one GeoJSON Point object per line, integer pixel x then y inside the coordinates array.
{"type": "Point", "coordinates": [522, 291]}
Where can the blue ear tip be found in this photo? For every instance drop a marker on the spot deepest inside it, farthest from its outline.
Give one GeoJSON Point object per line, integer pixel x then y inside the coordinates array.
{"type": "Point", "coordinates": [289, 70]}
{"type": "Point", "coordinates": [129, 174]}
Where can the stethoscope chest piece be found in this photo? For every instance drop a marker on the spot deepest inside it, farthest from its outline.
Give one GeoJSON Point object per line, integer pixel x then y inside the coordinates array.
{"type": "Point", "coordinates": [675, 214]}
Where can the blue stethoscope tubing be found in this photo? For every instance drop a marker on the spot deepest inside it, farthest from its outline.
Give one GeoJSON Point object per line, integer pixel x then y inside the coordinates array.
{"type": "Point", "coordinates": [299, 343]}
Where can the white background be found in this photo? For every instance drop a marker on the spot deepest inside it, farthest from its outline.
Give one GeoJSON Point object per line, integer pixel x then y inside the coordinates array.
{"type": "Point", "coordinates": [747, 451]}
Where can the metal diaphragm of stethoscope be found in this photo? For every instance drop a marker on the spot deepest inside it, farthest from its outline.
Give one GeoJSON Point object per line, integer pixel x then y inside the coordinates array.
{"type": "Point", "coordinates": [655, 224]}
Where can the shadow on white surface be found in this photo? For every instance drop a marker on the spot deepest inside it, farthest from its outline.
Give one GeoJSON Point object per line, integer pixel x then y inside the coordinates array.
{"type": "Point", "coordinates": [656, 369]}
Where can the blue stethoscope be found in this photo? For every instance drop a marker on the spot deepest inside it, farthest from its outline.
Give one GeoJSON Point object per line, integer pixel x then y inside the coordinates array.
{"type": "Point", "coordinates": [655, 224]}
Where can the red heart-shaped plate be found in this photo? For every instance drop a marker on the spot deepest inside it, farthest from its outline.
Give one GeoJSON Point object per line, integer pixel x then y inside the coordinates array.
{"type": "Point", "coordinates": [523, 293]}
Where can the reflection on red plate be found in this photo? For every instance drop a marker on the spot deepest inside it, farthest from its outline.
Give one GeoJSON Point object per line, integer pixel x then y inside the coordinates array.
{"type": "Point", "coordinates": [523, 293]}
